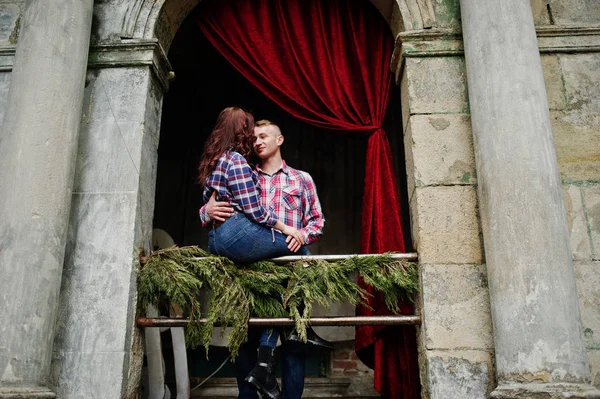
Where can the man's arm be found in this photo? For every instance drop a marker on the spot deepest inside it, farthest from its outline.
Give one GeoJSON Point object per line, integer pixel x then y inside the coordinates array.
{"type": "Point", "coordinates": [312, 215]}
{"type": "Point", "coordinates": [215, 210]}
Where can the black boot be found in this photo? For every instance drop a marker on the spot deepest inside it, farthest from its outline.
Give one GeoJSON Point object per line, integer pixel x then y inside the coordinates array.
{"type": "Point", "coordinates": [262, 376]}
{"type": "Point", "coordinates": [311, 338]}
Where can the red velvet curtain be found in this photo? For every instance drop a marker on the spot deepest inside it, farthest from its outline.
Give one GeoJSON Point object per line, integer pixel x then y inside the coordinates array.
{"type": "Point", "coordinates": [327, 63]}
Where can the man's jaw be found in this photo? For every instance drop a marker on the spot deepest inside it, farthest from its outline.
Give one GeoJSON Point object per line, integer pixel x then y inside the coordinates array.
{"type": "Point", "coordinates": [260, 152]}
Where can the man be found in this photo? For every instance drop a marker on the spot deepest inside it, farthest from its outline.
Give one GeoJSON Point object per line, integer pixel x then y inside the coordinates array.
{"type": "Point", "coordinates": [292, 196]}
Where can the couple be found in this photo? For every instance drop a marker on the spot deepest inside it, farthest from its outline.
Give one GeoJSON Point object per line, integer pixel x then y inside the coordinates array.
{"type": "Point", "coordinates": [258, 214]}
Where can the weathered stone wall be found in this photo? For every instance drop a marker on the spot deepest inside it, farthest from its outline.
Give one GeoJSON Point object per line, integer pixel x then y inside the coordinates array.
{"type": "Point", "coordinates": [573, 84]}
{"type": "Point", "coordinates": [4, 86]}
{"type": "Point", "coordinates": [456, 330]}
{"type": "Point", "coordinates": [10, 15]}
{"type": "Point", "coordinates": [456, 345]}
{"type": "Point", "coordinates": [456, 348]}
{"type": "Point", "coordinates": [344, 364]}
{"type": "Point", "coordinates": [574, 12]}
{"type": "Point", "coordinates": [571, 12]}
{"type": "Point", "coordinates": [110, 220]}
{"type": "Point", "coordinates": [10, 21]}
{"type": "Point", "coordinates": [113, 196]}
{"type": "Point", "coordinates": [573, 87]}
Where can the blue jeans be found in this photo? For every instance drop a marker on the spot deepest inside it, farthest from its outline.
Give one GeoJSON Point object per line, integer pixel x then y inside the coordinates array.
{"type": "Point", "coordinates": [292, 368]}
{"type": "Point", "coordinates": [243, 241]}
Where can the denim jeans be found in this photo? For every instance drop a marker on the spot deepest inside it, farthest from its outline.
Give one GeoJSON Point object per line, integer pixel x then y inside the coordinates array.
{"type": "Point", "coordinates": [293, 363]}
{"type": "Point", "coordinates": [243, 241]}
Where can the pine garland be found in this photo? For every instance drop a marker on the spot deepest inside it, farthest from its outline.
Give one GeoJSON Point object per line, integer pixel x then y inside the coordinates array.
{"type": "Point", "coordinates": [177, 275]}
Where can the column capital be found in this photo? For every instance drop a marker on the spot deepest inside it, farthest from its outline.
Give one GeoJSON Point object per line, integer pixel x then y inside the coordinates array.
{"type": "Point", "coordinates": [133, 52]}
{"type": "Point", "coordinates": [425, 43]}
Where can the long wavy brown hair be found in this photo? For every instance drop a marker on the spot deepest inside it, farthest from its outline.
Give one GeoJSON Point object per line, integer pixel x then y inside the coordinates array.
{"type": "Point", "coordinates": [234, 129]}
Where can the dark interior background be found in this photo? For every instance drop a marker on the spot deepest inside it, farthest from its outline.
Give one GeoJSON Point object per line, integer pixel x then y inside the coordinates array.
{"type": "Point", "coordinates": [204, 84]}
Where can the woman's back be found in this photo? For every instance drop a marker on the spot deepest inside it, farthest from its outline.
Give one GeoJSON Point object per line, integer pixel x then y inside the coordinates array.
{"type": "Point", "coordinates": [235, 182]}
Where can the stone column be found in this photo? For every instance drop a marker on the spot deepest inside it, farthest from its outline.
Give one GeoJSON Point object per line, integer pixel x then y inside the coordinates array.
{"type": "Point", "coordinates": [535, 312]}
{"type": "Point", "coordinates": [38, 144]}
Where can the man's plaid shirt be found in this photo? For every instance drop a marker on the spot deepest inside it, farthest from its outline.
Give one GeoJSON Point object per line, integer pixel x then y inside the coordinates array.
{"type": "Point", "coordinates": [291, 195]}
{"type": "Point", "coordinates": [235, 182]}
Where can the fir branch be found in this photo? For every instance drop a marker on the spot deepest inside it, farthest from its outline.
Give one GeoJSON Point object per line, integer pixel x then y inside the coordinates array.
{"type": "Point", "coordinates": [177, 276]}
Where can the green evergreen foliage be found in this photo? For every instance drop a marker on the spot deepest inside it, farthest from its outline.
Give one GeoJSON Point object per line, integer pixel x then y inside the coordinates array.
{"type": "Point", "coordinates": [177, 276]}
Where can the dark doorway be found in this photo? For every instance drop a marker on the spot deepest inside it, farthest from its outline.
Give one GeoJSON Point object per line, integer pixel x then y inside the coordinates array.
{"type": "Point", "coordinates": [206, 83]}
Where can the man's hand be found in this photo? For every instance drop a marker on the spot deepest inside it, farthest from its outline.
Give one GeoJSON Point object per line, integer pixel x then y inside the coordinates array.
{"type": "Point", "coordinates": [295, 239]}
{"type": "Point", "coordinates": [218, 210]}
{"type": "Point", "coordinates": [293, 244]}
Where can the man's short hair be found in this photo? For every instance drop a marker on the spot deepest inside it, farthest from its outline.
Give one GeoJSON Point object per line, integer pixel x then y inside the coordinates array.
{"type": "Point", "coordinates": [266, 122]}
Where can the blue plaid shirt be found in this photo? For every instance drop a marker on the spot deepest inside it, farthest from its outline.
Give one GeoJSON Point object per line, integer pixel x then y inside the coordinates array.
{"type": "Point", "coordinates": [235, 182]}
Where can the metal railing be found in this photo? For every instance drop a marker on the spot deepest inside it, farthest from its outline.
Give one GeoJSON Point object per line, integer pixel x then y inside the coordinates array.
{"type": "Point", "coordinates": [148, 322]}
{"type": "Point", "coordinates": [153, 345]}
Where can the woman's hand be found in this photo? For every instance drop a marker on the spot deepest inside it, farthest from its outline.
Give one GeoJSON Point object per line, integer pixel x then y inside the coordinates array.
{"type": "Point", "coordinates": [294, 238]}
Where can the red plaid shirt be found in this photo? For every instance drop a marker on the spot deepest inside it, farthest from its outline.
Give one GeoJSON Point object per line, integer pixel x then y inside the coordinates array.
{"type": "Point", "coordinates": [292, 197]}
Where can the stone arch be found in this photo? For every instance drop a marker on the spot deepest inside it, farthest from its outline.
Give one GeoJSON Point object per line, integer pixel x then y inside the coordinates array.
{"type": "Point", "coordinates": [160, 19]}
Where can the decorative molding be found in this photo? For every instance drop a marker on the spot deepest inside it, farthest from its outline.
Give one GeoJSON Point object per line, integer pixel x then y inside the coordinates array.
{"type": "Point", "coordinates": [7, 58]}
{"type": "Point", "coordinates": [448, 43]}
{"type": "Point", "coordinates": [568, 39]}
{"type": "Point", "coordinates": [564, 30]}
{"type": "Point", "coordinates": [130, 18]}
{"type": "Point", "coordinates": [130, 53]}
{"type": "Point", "coordinates": [140, 18]}
{"type": "Point", "coordinates": [415, 14]}
{"type": "Point", "coordinates": [127, 53]}
{"type": "Point", "coordinates": [425, 43]}
{"type": "Point", "coordinates": [427, 14]}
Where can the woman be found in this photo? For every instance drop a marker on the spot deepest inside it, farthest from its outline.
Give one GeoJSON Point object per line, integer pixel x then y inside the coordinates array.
{"type": "Point", "coordinates": [252, 233]}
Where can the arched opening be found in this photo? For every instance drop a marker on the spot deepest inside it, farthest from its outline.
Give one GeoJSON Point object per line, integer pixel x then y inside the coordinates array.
{"type": "Point", "coordinates": [205, 84]}
{"type": "Point", "coordinates": [161, 19]}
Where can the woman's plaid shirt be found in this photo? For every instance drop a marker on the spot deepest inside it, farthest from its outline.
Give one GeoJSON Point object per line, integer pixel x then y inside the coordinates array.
{"type": "Point", "coordinates": [235, 182]}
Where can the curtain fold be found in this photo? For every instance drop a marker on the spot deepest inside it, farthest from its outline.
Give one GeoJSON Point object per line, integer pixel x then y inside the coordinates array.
{"type": "Point", "coordinates": [326, 62]}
